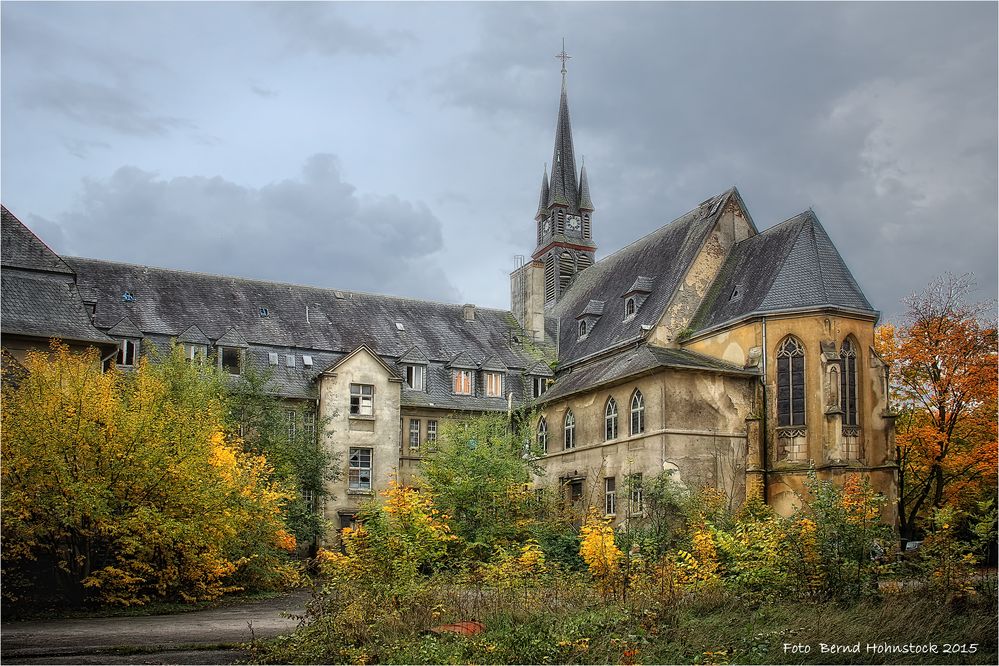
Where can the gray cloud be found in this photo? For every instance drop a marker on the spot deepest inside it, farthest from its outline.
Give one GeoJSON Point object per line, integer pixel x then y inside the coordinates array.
{"type": "Point", "coordinates": [82, 147]}
{"type": "Point", "coordinates": [261, 91]}
{"type": "Point", "coordinates": [313, 229]}
{"type": "Point", "coordinates": [319, 27]}
{"type": "Point", "coordinates": [882, 117]}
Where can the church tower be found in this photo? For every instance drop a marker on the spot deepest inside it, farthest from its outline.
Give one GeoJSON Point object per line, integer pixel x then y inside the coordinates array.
{"type": "Point", "coordinates": [564, 229]}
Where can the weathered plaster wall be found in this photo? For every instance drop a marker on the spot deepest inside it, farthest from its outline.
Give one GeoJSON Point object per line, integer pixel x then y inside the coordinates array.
{"type": "Point", "coordinates": [527, 297]}
{"type": "Point", "coordinates": [379, 432]}
{"type": "Point", "coordinates": [695, 424]}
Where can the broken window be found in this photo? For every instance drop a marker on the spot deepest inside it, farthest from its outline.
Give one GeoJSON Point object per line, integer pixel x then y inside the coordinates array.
{"type": "Point", "coordinates": [494, 384]}
{"type": "Point", "coordinates": [463, 382]}
{"type": "Point", "coordinates": [416, 377]}
{"type": "Point", "coordinates": [128, 352]}
{"type": "Point", "coordinates": [193, 352]}
{"type": "Point", "coordinates": [231, 360]}
{"type": "Point", "coordinates": [540, 385]}
{"type": "Point", "coordinates": [362, 400]}
{"type": "Point", "coordinates": [359, 470]}
{"type": "Point", "coordinates": [637, 413]}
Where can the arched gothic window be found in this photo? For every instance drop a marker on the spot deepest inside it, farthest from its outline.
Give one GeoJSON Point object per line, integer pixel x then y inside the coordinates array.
{"type": "Point", "coordinates": [629, 307]}
{"type": "Point", "coordinates": [610, 419]}
{"type": "Point", "coordinates": [543, 434]}
{"type": "Point", "coordinates": [790, 383]}
{"type": "Point", "coordinates": [570, 430]}
{"type": "Point", "coordinates": [582, 329]}
{"type": "Point", "coordinates": [848, 383]}
{"type": "Point", "coordinates": [637, 413]}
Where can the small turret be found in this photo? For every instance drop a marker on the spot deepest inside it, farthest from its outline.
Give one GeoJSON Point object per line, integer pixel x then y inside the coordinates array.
{"type": "Point", "coordinates": [543, 200]}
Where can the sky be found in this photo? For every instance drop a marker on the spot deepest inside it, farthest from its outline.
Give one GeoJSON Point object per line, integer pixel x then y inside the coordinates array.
{"type": "Point", "coordinates": [398, 148]}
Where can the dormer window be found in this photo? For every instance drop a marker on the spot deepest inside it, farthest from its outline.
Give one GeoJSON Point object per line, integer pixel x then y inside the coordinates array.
{"type": "Point", "coordinates": [494, 385]}
{"type": "Point", "coordinates": [231, 360]}
{"type": "Point", "coordinates": [416, 377]}
{"type": "Point", "coordinates": [582, 330]}
{"type": "Point", "coordinates": [462, 382]}
{"type": "Point", "coordinates": [629, 308]}
{"type": "Point", "coordinates": [539, 385]}
{"type": "Point", "coordinates": [193, 352]}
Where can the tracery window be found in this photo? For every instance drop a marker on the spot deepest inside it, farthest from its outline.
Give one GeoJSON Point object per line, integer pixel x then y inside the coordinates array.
{"type": "Point", "coordinates": [637, 413]}
{"type": "Point", "coordinates": [610, 419]}
{"type": "Point", "coordinates": [791, 383]}
{"type": "Point", "coordinates": [848, 383]}
{"type": "Point", "coordinates": [570, 430]}
{"type": "Point", "coordinates": [543, 434]}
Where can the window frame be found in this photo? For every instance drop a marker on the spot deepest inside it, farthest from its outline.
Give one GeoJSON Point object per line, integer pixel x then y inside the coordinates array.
{"type": "Point", "coordinates": [630, 307]}
{"type": "Point", "coordinates": [610, 496]}
{"type": "Point", "coordinates": [569, 430]}
{"type": "Point", "coordinates": [542, 436]}
{"type": "Point", "coordinates": [291, 424]}
{"type": "Point", "coordinates": [222, 352]}
{"type": "Point", "coordinates": [538, 386]}
{"type": "Point", "coordinates": [581, 329]}
{"type": "Point", "coordinates": [610, 419]}
{"type": "Point", "coordinates": [359, 468]}
{"type": "Point", "coordinates": [848, 383]}
{"type": "Point", "coordinates": [636, 494]}
{"type": "Point", "coordinates": [357, 408]}
{"type": "Point", "coordinates": [123, 355]}
{"type": "Point", "coordinates": [791, 392]}
{"type": "Point", "coordinates": [414, 442]}
{"type": "Point", "coordinates": [461, 373]}
{"type": "Point", "coordinates": [431, 433]}
{"type": "Point", "coordinates": [637, 421]}
{"type": "Point", "coordinates": [492, 377]}
{"type": "Point", "coordinates": [414, 372]}
{"type": "Point", "coordinates": [192, 351]}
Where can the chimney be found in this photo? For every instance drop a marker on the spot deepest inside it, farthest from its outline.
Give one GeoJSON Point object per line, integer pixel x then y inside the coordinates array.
{"type": "Point", "coordinates": [469, 311]}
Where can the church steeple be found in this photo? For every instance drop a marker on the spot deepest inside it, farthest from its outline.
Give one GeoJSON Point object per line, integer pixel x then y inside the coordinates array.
{"type": "Point", "coordinates": [565, 243]}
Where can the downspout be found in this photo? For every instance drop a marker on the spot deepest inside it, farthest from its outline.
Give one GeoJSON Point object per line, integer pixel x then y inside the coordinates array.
{"type": "Point", "coordinates": [765, 452]}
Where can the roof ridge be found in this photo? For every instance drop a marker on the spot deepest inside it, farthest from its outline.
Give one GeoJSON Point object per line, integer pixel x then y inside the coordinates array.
{"type": "Point", "coordinates": [278, 283]}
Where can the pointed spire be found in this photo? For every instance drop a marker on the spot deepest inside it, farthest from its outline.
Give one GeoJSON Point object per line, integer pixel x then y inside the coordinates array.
{"type": "Point", "coordinates": [543, 199]}
{"type": "Point", "coordinates": [584, 190]}
{"type": "Point", "coordinates": [563, 182]}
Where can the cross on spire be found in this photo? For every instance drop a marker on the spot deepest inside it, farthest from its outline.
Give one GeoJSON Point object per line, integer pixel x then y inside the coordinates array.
{"type": "Point", "coordinates": [563, 56]}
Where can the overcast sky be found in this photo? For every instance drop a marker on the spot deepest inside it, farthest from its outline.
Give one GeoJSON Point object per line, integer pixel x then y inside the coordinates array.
{"type": "Point", "coordinates": [398, 148]}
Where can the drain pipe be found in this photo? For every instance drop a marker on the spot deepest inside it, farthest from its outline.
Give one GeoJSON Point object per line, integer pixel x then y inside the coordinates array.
{"type": "Point", "coordinates": [765, 452]}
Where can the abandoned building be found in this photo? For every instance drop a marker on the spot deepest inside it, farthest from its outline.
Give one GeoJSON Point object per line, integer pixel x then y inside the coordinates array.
{"type": "Point", "coordinates": [730, 357]}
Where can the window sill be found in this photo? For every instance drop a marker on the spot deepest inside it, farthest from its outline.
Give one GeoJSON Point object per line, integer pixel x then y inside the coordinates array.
{"type": "Point", "coordinates": [361, 417]}
{"type": "Point", "coordinates": [365, 493]}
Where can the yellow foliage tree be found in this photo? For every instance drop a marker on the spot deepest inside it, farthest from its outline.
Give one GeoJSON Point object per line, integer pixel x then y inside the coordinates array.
{"type": "Point", "coordinates": [601, 554]}
{"type": "Point", "coordinates": [124, 486]}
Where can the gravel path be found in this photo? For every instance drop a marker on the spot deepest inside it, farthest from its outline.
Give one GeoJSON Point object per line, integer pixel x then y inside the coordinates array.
{"type": "Point", "coordinates": [198, 637]}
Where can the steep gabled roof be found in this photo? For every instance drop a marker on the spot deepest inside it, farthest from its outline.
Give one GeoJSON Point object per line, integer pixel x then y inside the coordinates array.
{"type": "Point", "coordinates": [193, 335]}
{"type": "Point", "coordinates": [232, 338]}
{"type": "Point", "coordinates": [494, 363]}
{"type": "Point", "coordinates": [540, 369]}
{"type": "Point", "coordinates": [464, 361]}
{"type": "Point", "coordinates": [793, 265]}
{"type": "Point", "coordinates": [392, 374]}
{"type": "Point", "coordinates": [20, 248]}
{"type": "Point", "coordinates": [563, 190]}
{"type": "Point", "coordinates": [45, 305]}
{"type": "Point", "coordinates": [125, 328]}
{"type": "Point", "coordinates": [414, 355]}
{"type": "Point", "coordinates": [665, 254]}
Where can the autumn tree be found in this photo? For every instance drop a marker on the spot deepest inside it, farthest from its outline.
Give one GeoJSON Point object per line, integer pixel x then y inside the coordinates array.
{"type": "Point", "coordinates": [943, 383]}
{"type": "Point", "coordinates": [122, 486]}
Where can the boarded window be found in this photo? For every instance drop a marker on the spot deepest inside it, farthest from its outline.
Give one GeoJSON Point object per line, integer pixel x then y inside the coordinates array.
{"type": "Point", "coordinates": [790, 383]}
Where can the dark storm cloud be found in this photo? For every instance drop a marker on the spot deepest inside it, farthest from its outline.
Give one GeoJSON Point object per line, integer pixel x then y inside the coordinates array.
{"type": "Point", "coordinates": [313, 229]}
{"type": "Point", "coordinates": [320, 27]}
{"type": "Point", "coordinates": [883, 118]}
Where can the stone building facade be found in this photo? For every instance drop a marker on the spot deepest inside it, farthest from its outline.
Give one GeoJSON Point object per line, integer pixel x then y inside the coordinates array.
{"type": "Point", "coordinates": [708, 349]}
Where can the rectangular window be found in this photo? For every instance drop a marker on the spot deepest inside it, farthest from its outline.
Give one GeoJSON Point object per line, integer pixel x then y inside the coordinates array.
{"type": "Point", "coordinates": [431, 433]}
{"type": "Point", "coordinates": [416, 377]}
{"type": "Point", "coordinates": [494, 385]}
{"type": "Point", "coordinates": [463, 382]}
{"type": "Point", "coordinates": [414, 433]}
{"type": "Point", "coordinates": [194, 352]}
{"type": "Point", "coordinates": [540, 386]}
{"type": "Point", "coordinates": [636, 493]}
{"type": "Point", "coordinates": [576, 491]}
{"type": "Point", "coordinates": [127, 352]}
{"type": "Point", "coordinates": [610, 496]}
{"type": "Point", "coordinates": [309, 498]}
{"type": "Point", "coordinates": [362, 400]}
{"type": "Point", "coordinates": [359, 470]}
{"type": "Point", "coordinates": [289, 360]}
{"type": "Point", "coordinates": [290, 424]}
{"type": "Point", "coordinates": [231, 360]}
{"type": "Point", "coordinates": [309, 426]}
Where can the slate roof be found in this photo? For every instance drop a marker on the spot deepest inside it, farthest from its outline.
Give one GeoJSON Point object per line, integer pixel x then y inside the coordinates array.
{"type": "Point", "coordinates": [45, 306]}
{"type": "Point", "coordinates": [563, 190]}
{"type": "Point", "coordinates": [632, 362]}
{"type": "Point", "coordinates": [665, 253]}
{"type": "Point", "coordinates": [438, 394]}
{"type": "Point", "coordinates": [19, 248]}
{"type": "Point", "coordinates": [793, 265]}
{"type": "Point", "coordinates": [167, 302]}
{"type": "Point", "coordinates": [125, 328]}
{"type": "Point", "coordinates": [194, 335]}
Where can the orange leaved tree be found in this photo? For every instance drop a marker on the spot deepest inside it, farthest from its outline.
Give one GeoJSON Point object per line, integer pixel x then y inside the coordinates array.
{"type": "Point", "coordinates": [120, 487]}
{"type": "Point", "coordinates": [943, 384]}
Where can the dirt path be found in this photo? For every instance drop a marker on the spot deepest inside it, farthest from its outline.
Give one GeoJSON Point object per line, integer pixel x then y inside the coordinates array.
{"type": "Point", "coordinates": [198, 637]}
